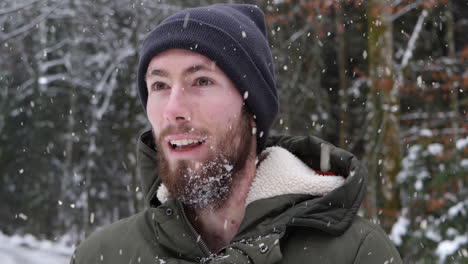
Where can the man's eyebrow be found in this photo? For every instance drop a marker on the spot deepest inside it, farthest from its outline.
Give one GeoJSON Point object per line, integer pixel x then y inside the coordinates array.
{"type": "Point", "coordinates": [197, 67]}
{"type": "Point", "coordinates": [189, 70]}
{"type": "Point", "coordinates": [157, 72]}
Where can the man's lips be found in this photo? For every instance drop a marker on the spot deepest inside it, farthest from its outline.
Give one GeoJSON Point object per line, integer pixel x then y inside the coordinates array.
{"type": "Point", "coordinates": [184, 142]}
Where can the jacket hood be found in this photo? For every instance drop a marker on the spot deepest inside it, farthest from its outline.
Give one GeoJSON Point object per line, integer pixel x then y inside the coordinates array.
{"type": "Point", "coordinates": [327, 203]}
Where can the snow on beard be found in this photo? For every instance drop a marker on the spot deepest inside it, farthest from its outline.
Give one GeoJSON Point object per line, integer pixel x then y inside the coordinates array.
{"type": "Point", "coordinates": [206, 187]}
{"type": "Point", "coordinates": [208, 184]}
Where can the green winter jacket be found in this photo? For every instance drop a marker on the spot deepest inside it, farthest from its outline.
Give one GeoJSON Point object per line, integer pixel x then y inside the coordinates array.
{"type": "Point", "coordinates": [293, 215]}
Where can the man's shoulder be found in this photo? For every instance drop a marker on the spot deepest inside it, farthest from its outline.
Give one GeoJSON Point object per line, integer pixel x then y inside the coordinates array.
{"type": "Point", "coordinates": [354, 234]}
{"type": "Point", "coordinates": [119, 228]}
{"type": "Point", "coordinates": [113, 237]}
{"type": "Point", "coordinates": [361, 227]}
{"type": "Point", "coordinates": [362, 239]}
{"type": "Point", "coordinates": [359, 233]}
{"type": "Point", "coordinates": [374, 244]}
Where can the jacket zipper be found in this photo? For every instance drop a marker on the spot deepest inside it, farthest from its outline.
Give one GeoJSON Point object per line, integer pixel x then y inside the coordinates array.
{"type": "Point", "coordinates": [194, 232]}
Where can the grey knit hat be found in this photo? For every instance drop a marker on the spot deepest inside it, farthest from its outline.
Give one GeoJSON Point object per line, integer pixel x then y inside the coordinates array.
{"type": "Point", "coordinates": [232, 35]}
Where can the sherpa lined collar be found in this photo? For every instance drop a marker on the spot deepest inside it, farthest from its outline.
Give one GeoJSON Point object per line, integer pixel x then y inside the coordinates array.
{"type": "Point", "coordinates": [280, 172]}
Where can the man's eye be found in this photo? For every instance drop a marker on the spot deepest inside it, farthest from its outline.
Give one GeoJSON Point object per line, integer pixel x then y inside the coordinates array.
{"type": "Point", "coordinates": [160, 86]}
{"type": "Point", "coordinates": [203, 82]}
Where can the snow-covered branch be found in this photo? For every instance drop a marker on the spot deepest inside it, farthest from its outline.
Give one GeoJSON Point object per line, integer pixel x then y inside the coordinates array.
{"type": "Point", "coordinates": [425, 115]}
{"type": "Point", "coordinates": [414, 37]}
{"type": "Point", "coordinates": [110, 85]}
{"type": "Point", "coordinates": [52, 48]}
{"type": "Point", "coordinates": [406, 9]}
{"type": "Point", "coordinates": [416, 133]}
{"type": "Point", "coordinates": [396, 2]}
{"type": "Point", "coordinates": [307, 28]}
{"type": "Point", "coordinates": [109, 91]}
{"type": "Point", "coordinates": [7, 11]}
{"type": "Point", "coordinates": [27, 27]}
{"type": "Point", "coordinates": [122, 54]}
{"type": "Point", "coordinates": [24, 91]}
{"type": "Point", "coordinates": [52, 63]}
{"type": "Point", "coordinates": [52, 78]}
{"type": "Point", "coordinates": [408, 54]}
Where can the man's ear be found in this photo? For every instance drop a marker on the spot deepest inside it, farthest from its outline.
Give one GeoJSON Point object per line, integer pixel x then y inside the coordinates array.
{"type": "Point", "coordinates": [254, 128]}
{"type": "Point", "coordinates": [252, 122]}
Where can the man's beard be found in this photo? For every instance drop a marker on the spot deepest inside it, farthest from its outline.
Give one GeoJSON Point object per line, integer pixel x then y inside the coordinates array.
{"type": "Point", "coordinates": [210, 183]}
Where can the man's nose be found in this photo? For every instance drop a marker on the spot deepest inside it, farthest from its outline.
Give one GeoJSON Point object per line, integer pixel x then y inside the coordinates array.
{"type": "Point", "coordinates": [178, 105]}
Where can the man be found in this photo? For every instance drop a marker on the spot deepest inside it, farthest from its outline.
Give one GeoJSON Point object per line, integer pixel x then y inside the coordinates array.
{"type": "Point", "coordinates": [216, 194]}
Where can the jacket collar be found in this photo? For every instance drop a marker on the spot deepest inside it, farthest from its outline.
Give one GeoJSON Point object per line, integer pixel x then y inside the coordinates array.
{"type": "Point", "coordinates": [332, 211]}
{"type": "Point", "coordinates": [280, 173]}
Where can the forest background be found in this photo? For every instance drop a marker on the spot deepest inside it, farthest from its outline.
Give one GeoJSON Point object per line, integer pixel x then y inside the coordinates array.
{"type": "Point", "coordinates": [384, 79]}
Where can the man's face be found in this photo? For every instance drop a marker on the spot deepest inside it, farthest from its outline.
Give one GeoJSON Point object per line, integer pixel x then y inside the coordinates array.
{"type": "Point", "coordinates": [201, 128]}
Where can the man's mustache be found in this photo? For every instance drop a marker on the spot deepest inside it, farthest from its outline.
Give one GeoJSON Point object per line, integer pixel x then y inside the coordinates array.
{"type": "Point", "coordinates": [181, 129]}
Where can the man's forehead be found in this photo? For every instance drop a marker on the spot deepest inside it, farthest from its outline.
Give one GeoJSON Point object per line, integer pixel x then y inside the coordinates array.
{"type": "Point", "coordinates": [186, 60]}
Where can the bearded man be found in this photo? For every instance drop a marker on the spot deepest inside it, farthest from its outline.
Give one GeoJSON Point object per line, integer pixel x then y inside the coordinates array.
{"type": "Point", "coordinates": [215, 193]}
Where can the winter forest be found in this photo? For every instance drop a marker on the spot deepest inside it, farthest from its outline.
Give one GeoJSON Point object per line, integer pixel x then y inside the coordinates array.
{"type": "Point", "coordinates": [384, 79]}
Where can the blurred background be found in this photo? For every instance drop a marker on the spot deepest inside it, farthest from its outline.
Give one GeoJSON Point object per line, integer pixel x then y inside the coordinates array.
{"type": "Point", "coordinates": [384, 79]}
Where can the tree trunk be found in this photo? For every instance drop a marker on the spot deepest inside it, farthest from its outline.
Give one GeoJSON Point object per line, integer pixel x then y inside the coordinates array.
{"type": "Point", "coordinates": [343, 86]}
{"type": "Point", "coordinates": [450, 39]}
{"type": "Point", "coordinates": [384, 153]}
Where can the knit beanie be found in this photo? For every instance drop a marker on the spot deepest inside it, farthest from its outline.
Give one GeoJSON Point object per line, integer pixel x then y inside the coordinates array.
{"type": "Point", "coordinates": [234, 37]}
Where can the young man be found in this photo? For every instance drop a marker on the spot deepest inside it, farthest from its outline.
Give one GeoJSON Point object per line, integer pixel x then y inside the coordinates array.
{"type": "Point", "coordinates": [216, 194]}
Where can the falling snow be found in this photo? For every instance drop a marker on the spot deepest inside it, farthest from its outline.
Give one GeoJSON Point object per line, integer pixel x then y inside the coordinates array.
{"type": "Point", "coordinates": [71, 117]}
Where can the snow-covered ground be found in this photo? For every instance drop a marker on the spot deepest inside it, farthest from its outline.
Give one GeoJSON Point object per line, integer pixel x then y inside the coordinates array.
{"type": "Point", "coordinates": [29, 250]}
